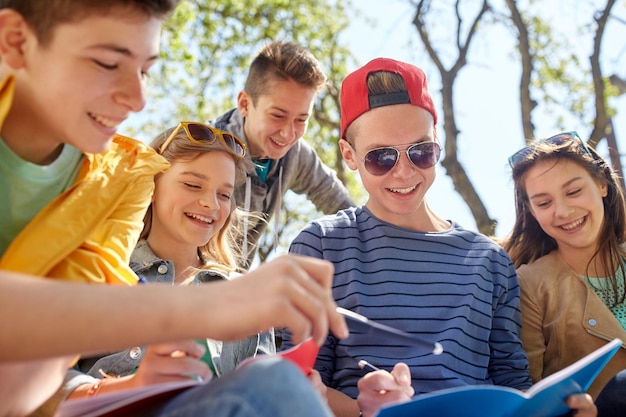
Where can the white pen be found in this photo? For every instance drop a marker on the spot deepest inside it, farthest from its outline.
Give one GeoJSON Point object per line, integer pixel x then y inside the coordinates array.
{"type": "Point", "coordinates": [363, 364]}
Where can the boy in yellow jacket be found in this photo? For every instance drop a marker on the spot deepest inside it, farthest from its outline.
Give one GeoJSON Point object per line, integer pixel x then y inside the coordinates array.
{"type": "Point", "coordinates": [73, 195]}
{"type": "Point", "coordinates": [74, 192]}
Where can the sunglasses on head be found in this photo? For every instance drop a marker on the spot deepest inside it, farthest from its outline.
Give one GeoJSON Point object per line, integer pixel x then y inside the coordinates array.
{"type": "Point", "coordinates": [380, 161]}
{"type": "Point", "coordinates": [202, 134]}
{"type": "Point", "coordinates": [565, 138]}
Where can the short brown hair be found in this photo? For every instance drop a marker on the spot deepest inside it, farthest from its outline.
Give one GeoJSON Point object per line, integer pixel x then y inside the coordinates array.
{"type": "Point", "coordinates": [283, 61]}
{"type": "Point", "coordinates": [44, 15]}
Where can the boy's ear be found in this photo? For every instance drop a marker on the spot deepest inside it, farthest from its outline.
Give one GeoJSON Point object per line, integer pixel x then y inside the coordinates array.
{"type": "Point", "coordinates": [13, 34]}
{"type": "Point", "coordinates": [244, 101]}
{"type": "Point", "coordinates": [348, 154]}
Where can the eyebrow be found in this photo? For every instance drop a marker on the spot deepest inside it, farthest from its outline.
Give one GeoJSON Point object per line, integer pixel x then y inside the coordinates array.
{"type": "Point", "coordinates": [425, 138]}
{"type": "Point", "coordinates": [280, 109]}
{"type": "Point", "coordinates": [204, 178]}
{"type": "Point", "coordinates": [567, 184]}
{"type": "Point", "coordinates": [121, 50]}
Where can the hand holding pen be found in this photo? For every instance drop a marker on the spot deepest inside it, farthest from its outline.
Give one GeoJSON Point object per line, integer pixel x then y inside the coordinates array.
{"type": "Point", "coordinates": [379, 387]}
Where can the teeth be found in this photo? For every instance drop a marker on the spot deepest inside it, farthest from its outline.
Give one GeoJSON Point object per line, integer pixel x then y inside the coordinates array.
{"type": "Point", "coordinates": [573, 225]}
{"type": "Point", "coordinates": [104, 121]}
{"type": "Point", "coordinates": [199, 217]}
{"type": "Point", "coordinates": [402, 190]}
{"type": "Point", "coordinates": [278, 143]}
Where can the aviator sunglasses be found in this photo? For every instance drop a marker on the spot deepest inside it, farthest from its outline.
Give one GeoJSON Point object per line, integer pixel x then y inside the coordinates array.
{"type": "Point", "coordinates": [564, 138]}
{"type": "Point", "coordinates": [380, 161]}
{"type": "Point", "coordinates": [202, 134]}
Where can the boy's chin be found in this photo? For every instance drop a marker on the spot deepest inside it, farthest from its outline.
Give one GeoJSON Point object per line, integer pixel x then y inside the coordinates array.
{"type": "Point", "coordinates": [95, 146]}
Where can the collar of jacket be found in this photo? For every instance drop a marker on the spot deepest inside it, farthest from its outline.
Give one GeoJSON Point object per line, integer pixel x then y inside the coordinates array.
{"type": "Point", "coordinates": [7, 90]}
{"type": "Point", "coordinates": [103, 181]}
{"type": "Point", "coordinates": [143, 260]}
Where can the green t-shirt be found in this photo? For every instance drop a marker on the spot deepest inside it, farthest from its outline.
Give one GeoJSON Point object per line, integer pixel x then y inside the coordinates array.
{"type": "Point", "coordinates": [26, 188]}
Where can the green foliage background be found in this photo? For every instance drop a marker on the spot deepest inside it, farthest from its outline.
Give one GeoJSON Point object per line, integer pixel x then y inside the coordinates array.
{"type": "Point", "coordinates": [206, 49]}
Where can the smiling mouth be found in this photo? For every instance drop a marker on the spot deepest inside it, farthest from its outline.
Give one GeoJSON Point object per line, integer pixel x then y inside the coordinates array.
{"type": "Point", "coordinates": [573, 225]}
{"type": "Point", "coordinates": [108, 123]}
{"type": "Point", "coordinates": [198, 217]}
{"type": "Point", "coordinates": [275, 142]}
{"type": "Point", "coordinates": [402, 190]}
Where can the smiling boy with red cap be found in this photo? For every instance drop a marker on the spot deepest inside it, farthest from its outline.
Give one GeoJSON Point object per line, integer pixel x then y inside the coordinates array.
{"type": "Point", "coordinates": [398, 262]}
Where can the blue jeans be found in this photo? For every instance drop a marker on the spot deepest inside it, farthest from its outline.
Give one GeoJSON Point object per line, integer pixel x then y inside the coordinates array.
{"type": "Point", "coordinates": [611, 401]}
{"type": "Point", "coordinates": [266, 387]}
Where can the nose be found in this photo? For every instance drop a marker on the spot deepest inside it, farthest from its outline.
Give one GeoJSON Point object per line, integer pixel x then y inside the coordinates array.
{"type": "Point", "coordinates": [132, 91]}
{"type": "Point", "coordinates": [404, 167]}
{"type": "Point", "coordinates": [288, 130]}
{"type": "Point", "coordinates": [563, 209]}
{"type": "Point", "coordinates": [210, 201]}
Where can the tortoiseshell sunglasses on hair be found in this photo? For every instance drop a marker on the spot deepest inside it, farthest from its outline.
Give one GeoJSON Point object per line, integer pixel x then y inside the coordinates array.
{"type": "Point", "coordinates": [202, 134]}
{"type": "Point", "coordinates": [557, 140]}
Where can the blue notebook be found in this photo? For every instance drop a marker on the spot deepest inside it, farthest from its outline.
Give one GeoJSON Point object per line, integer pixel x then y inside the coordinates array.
{"type": "Point", "coordinates": [544, 399]}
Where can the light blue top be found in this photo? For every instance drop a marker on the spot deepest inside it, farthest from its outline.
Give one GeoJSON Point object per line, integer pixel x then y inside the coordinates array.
{"type": "Point", "coordinates": [455, 287]}
{"type": "Point", "coordinates": [607, 294]}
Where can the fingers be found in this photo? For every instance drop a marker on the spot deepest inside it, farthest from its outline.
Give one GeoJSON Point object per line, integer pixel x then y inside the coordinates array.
{"type": "Point", "coordinates": [299, 297]}
{"type": "Point", "coordinates": [402, 375]}
{"type": "Point", "coordinates": [290, 291]}
{"type": "Point", "coordinates": [307, 299]}
{"type": "Point", "coordinates": [318, 304]}
{"type": "Point", "coordinates": [172, 361]}
{"type": "Point", "coordinates": [315, 379]}
{"type": "Point", "coordinates": [378, 381]}
{"type": "Point", "coordinates": [381, 387]}
{"type": "Point", "coordinates": [178, 349]}
{"type": "Point", "coordinates": [320, 270]}
{"type": "Point", "coordinates": [583, 404]}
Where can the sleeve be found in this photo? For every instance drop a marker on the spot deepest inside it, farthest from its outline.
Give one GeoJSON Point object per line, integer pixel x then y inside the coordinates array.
{"type": "Point", "coordinates": [73, 379]}
{"type": "Point", "coordinates": [318, 181]}
{"type": "Point", "coordinates": [88, 233]}
{"type": "Point", "coordinates": [104, 256]}
{"type": "Point", "coordinates": [532, 327]}
{"type": "Point", "coordinates": [117, 364]}
{"type": "Point", "coordinates": [266, 344]}
{"type": "Point", "coordinates": [309, 243]}
{"type": "Point", "coordinates": [508, 364]}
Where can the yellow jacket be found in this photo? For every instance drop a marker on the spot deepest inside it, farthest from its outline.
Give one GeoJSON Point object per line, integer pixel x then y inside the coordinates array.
{"type": "Point", "coordinates": [564, 320]}
{"type": "Point", "coordinates": [87, 233]}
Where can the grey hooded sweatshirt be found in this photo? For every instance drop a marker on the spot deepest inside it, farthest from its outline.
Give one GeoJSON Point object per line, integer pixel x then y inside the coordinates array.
{"type": "Point", "coordinates": [301, 170]}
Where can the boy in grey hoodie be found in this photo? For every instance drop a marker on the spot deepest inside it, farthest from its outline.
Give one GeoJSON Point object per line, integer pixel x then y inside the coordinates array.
{"type": "Point", "coordinates": [272, 114]}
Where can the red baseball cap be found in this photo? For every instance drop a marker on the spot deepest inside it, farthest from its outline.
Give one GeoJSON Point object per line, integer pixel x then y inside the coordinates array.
{"type": "Point", "coordinates": [355, 99]}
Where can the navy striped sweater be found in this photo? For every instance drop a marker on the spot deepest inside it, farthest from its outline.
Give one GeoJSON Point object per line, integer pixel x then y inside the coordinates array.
{"type": "Point", "coordinates": [456, 287]}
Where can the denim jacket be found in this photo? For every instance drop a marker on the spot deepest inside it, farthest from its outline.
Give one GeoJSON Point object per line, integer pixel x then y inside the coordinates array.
{"type": "Point", "coordinates": [224, 355]}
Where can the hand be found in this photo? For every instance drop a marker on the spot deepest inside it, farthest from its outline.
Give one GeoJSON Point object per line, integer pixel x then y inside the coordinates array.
{"type": "Point", "coordinates": [171, 362]}
{"type": "Point", "coordinates": [316, 380]}
{"type": "Point", "coordinates": [290, 291]}
{"type": "Point", "coordinates": [582, 404]}
{"type": "Point", "coordinates": [381, 388]}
